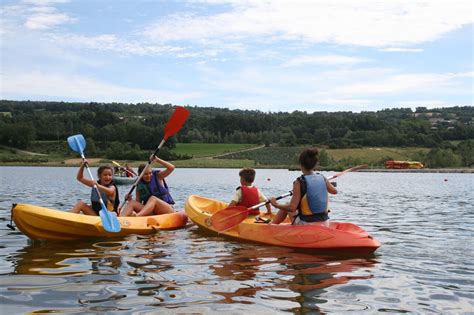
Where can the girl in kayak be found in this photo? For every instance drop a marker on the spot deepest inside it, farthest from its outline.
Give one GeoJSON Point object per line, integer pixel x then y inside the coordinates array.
{"type": "Point", "coordinates": [309, 202]}
{"type": "Point", "coordinates": [248, 195]}
{"type": "Point", "coordinates": [152, 196]}
{"type": "Point", "coordinates": [108, 191]}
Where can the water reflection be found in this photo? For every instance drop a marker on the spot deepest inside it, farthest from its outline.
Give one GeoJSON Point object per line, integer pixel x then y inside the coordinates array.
{"type": "Point", "coordinates": [297, 281]}
{"type": "Point", "coordinates": [424, 266]}
{"type": "Point", "coordinates": [68, 259]}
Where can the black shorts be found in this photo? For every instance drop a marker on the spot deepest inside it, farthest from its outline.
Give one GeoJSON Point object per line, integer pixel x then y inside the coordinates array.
{"type": "Point", "coordinates": [317, 217]}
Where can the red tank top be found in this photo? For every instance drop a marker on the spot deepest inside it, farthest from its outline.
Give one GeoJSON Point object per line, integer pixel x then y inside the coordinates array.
{"type": "Point", "coordinates": [249, 198]}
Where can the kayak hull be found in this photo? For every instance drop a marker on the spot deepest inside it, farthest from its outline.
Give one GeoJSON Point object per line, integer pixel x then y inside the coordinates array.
{"type": "Point", "coordinates": [330, 236]}
{"type": "Point", "coordinates": [121, 180]}
{"type": "Point", "coordinates": [40, 223]}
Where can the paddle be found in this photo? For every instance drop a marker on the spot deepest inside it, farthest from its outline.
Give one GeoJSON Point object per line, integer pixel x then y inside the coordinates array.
{"type": "Point", "coordinates": [229, 217]}
{"type": "Point", "coordinates": [109, 219]}
{"type": "Point", "coordinates": [352, 169]}
{"type": "Point", "coordinates": [173, 125]}
{"type": "Point", "coordinates": [117, 164]}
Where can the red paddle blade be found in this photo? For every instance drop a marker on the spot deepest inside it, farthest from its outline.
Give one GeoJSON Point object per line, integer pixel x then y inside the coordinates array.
{"type": "Point", "coordinates": [227, 218]}
{"type": "Point", "coordinates": [176, 121]}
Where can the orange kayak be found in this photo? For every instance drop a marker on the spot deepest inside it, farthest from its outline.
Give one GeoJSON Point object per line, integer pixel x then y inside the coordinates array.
{"type": "Point", "coordinates": [331, 235]}
{"type": "Point", "coordinates": [40, 223]}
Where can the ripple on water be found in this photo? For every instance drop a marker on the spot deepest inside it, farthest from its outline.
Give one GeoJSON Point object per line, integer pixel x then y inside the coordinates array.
{"type": "Point", "coordinates": [425, 264]}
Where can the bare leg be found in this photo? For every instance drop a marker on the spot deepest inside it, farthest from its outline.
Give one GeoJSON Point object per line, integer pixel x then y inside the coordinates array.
{"type": "Point", "coordinates": [130, 209]}
{"type": "Point", "coordinates": [155, 206]}
{"type": "Point", "coordinates": [280, 217]}
{"type": "Point", "coordinates": [83, 207]}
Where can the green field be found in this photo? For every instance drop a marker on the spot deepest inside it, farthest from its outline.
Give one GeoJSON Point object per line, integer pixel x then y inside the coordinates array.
{"type": "Point", "coordinates": [376, 155]}
{"type": "Point", "coordinates": [210, 155]}
{"type": "Point", "coordinates": [199, 150]}
{"type": "Point", "coordinates": [288, 156]}
{"type": "Point", "coordinates": [214, 163]}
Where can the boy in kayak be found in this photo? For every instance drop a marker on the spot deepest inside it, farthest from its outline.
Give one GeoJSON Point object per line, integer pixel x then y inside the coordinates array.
{"type": "Point", "coordinates": [108, 191]}
{"type": "Point", "coordinates": [248, 195]}
{"type": "Point", "coordinates": [152, 196]}
{"type": "Point", "coordinates": [309, 202]}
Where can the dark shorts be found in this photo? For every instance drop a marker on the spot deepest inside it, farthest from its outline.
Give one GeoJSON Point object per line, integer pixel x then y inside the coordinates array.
{"type": "Point", "coordinates": [96, 207]}
{"type": "Point", "coordinates": [318, 217]}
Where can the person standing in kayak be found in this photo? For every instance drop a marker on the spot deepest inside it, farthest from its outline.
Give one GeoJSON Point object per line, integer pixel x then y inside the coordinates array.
{"type": "Point", "coordinates": [309, 202]}
{"type": "Point", "coordinates": [108, 191]}
{"type": "Point", "coordinates": [248, 195]}
{"type": "Point", "coordinates": [152, 195]}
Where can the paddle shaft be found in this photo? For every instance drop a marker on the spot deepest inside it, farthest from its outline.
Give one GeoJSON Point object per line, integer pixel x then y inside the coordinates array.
{"type": "Point", "coordinates": [135, 184]}
{"type": "Point", "coordinates": [102, 204]}
{"type": "Point", "coordinates": [355, 168]}
{"type": "Point", "coordinates": [268, 201]}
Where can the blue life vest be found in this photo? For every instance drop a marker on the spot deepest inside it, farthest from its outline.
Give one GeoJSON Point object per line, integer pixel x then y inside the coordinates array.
{"type": "Point", "coordinates": [314, 198]}
{"type": "Point", "coordinates": [154, 188]}
{"type": "Point", "coordinates": [109, 204]}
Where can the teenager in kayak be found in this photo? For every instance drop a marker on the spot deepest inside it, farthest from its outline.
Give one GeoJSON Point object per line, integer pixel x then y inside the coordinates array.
{"type": "Point", "coordinates": [108, 191]}
{"type": "Point", "coordinates": [248, 195]}
{"type": "Point", "coordinates": [309, 202]}
{"type": "Point", "coordinates": [152, 195]}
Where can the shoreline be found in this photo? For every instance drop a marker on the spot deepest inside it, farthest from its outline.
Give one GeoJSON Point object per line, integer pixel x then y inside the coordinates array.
{"type": "Point", "coordinates": [423, 170]}
{"type": "Point", "coordinates": [96, 162]}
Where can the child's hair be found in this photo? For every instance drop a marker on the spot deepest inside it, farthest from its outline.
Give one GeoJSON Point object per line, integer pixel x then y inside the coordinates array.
{"type": "Point", "coordinates": [309, 158]}
{"type": "Point", "coordinates": [141, 167]}
{"type": "Point", "coordinates": [102, 168]}
{"type": "Point", "coordinates": [248, 174]}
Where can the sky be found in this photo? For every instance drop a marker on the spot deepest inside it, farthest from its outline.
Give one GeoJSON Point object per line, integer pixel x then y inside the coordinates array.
{"type": "Point", "coordinates": [330, 55]}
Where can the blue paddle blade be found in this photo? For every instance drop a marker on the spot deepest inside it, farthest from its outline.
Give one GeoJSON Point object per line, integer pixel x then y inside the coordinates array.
{"type": "Point", "coordinates": [109, 221]}
{"type": "Point", "coordinates": [77, 143]}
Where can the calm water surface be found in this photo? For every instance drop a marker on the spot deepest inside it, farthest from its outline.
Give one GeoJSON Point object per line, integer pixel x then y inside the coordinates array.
{"type": "Point", "coordinates": [425, 265]}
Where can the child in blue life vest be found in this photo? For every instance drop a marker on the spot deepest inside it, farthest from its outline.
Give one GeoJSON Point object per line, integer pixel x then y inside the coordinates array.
{"type": "Point", "coordinates": [108, 191]}
{"type": "Point", "coordinates": [309, 202]}
{"type": "Point", "coordinates": [247, 195]}
{"type": "Point", "coordinates": [152, 195]}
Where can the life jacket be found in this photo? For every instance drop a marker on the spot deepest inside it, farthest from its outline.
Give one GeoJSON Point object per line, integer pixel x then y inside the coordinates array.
{"type": "Point", "coordinates": [314, 198]}
{"type": "Point", "coordinates": [249, 198]}
{"type": "Point", "coordinates": [154, 188]}
{"type": "Point", "coordinates": [109, 204]}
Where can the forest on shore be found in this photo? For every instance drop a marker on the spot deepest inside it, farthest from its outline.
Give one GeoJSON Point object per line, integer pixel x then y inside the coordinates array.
{"type": "Point", "coordinates": [128, 131]}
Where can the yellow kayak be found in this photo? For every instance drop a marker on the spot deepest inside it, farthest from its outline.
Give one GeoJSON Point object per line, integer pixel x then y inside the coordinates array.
{"type": "Point", "coordinates": [333, 235]}
{"type": "Point", "coordinates": [40, 223]}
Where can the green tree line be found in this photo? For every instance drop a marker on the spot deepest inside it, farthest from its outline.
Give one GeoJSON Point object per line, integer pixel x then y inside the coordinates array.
{"type": "Point", "coordinates": [129, 128]}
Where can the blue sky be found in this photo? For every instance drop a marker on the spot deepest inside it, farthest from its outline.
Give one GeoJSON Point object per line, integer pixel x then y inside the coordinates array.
{"type": "Point", "coordinates": [266, 55]}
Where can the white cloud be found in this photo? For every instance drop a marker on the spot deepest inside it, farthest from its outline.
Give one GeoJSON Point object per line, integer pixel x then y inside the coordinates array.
{"type": "Point", "coordinates": [44, 2]}
{"type": "Point", "coordinates": [111, 42]}
{"type": "Point", "coordinates": [364, 23]}
{"type": "Point", "coordinates": [324, 60]}
{"type": "Point", "coordinates": [268, 89]}
{"type": "Point", "coordinates": [426, 103]}
{"type": "Point", "coordinates": [399, 49]}
{"type": "Point", "coordinates": [42, 21]}
{"type": "Point", "coordinates": [58, 85]}
{"type": "Point", "coordinates": [403, 83]}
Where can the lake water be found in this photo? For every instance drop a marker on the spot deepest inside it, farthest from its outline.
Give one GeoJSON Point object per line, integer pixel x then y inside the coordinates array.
{"type": "Point", "coordinates": [425, 223]}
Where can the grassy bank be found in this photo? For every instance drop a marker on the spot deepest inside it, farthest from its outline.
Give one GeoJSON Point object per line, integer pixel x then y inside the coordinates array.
{"type": "Point", "coordinates": [221, 156]}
